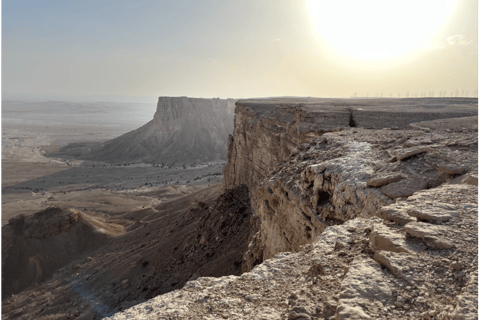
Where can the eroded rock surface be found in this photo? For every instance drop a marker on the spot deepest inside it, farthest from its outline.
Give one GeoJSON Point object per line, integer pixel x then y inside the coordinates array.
{"type": "Point", "coordinates": [326, 241]}
{"type": "Point", "coordinates": [348, 174]}
{"type": "Point", "coordinates": [339, 276]}
{"type": "Point", "coordinates": [310, 163]}
{"type": "Point", "coordinates": [34, 247]}
{"type": "Point", "coordinates": [72, 269]}
{"type": "Point", "coordinates": [267, 130]}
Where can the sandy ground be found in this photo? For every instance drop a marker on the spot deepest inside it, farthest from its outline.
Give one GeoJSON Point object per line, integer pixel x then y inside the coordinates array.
{"type": "Point", "coordinates": [31, 181]}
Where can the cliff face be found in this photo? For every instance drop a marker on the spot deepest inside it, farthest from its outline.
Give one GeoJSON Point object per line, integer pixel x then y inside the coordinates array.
{"type": "Point", "coordinates": [296, 195]}
{"type": "Point", "coordinates": [355, 222]}
{"type": "Point", "coordinates": [183, 130]}
{"type": "Point", "coordinates": [349, 174]}
{"type": "Point", "coordinates": [268, 130]}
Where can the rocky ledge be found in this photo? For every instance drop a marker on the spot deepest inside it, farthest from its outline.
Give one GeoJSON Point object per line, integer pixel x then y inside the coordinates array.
{"type": "Point", "coordinates": [354, 222]}
{"type": "Point", "coordinates": [363, 269]}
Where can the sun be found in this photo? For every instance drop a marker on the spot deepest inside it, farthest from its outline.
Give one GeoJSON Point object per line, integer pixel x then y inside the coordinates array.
{"type": "Point", "coordinates": [372, 29]}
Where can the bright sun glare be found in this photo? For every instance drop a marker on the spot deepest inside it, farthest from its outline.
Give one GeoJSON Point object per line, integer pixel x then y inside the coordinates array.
{"type": "Point", "coordinates": [372, 29]}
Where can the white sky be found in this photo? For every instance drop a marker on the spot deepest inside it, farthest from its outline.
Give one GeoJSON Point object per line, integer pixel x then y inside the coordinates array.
{"type": "Point", "coordinates": [238, 49]}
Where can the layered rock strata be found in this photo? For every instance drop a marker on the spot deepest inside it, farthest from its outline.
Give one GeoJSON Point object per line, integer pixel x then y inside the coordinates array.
{"type": "Point", "coordinates": [352, 230]}
{"type": "Point", "coordinates": [268, 130]}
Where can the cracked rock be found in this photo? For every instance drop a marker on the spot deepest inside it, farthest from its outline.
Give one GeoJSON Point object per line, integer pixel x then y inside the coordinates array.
{"type": "Point", "coordinates": [434, 236]}
{"type": "Point", "coordinates": [404, 188]}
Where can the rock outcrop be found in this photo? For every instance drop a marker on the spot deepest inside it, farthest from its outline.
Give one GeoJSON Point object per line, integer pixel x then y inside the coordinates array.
{"type": "Point", "coordinates": [355, 222]}
{"type": "Point", "coordinates": [34, 247]}
{"type": "Point", "coordinates": [268, 130]}
{"type": "Point", "coordinates": [348, 273]}
{"type": "Point", "coordinates": [183, 131]}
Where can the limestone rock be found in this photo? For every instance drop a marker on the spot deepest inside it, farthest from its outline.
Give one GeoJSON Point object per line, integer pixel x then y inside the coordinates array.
{"type": "Point", "coordinates": [433, 211]}
{"type": "Point", "coordinates": [434, 236]}
{"type": "Point", "coordinates": [404, 188]}
{"type": "Point", "coordinates": [268, 130]}
{"type": "Point", "coordinates": [396, 213]}
{"type": "Point", "coordinates": [397, 263]}
{"type": "Point", "coordinates": [467, 305]}
{"type": "Point", "coordinates": [470, 179]}
{"type": "Point", "coordinates": [385, 179]}
{"type": "Point", "coordinates": [335, 277]}
{"type": "Point", "coordinates": [449, 169]}
{"type": "Point", "coordinates": [345, 312]}
{"type": "Point", "coordinates": [382, 238]}
{"type": "Point", "coordinates": [304, 197]}
{"type": "Point", "coordinates": [183, 130]}
{"type": "Point", "coordinates": [403, 154]}
{"type": "Point", "coordinates": [363, 283]}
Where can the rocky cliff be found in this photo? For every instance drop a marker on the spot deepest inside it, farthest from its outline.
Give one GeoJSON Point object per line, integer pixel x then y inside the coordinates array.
{"type": "Point", "coordinates": [362, 269]}
{"type": "Point", "coordinates": [266, 133]}
{"type": "Point", "coordinates": [355, 222]}
{"type": "Point", "coordinates": [183, 130]}
{"type": "Point", "coordinates": [268, 130]}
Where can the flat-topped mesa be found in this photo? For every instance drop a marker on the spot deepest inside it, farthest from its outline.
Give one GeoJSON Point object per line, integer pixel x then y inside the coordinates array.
{"type": "Point", "coordinates": [268, 130]}
{"type": "Point", "coordinates": [179, 113]}
{"type": "Point", "coordinates": [182, 131]}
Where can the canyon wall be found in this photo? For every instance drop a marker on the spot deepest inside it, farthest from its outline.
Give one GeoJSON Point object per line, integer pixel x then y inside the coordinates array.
{"type": "Point", "coordinates": [355, 224]}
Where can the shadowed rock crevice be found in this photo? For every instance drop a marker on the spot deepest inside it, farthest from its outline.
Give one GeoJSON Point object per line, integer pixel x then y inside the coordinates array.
{"type": "Point", "coordinates": [351, 122]}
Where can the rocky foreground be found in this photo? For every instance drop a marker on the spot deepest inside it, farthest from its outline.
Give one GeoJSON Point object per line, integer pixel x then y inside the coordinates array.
{"type": "Point", "coordinates": [363, 269]}
{"type": "Point", "coordinates": [354, 222]}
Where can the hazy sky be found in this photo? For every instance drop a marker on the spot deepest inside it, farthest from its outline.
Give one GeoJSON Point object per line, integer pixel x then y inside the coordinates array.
{"type": "Point", "coordinates": [238, 49]}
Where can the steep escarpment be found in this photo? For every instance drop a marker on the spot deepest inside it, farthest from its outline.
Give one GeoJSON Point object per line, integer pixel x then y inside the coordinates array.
{"type": "Point", "coordinates": [356, 223]}
{"type": "Point", "coordinates": [183, 130]}
{"type": "Point", "coordinates": [332, 173]}
{"type": "Point", "coordinates": [268, 130]}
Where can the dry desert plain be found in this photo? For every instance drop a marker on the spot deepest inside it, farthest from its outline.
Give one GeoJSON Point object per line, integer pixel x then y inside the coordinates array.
{"type": "Point", "coordinates": [32, 181]}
